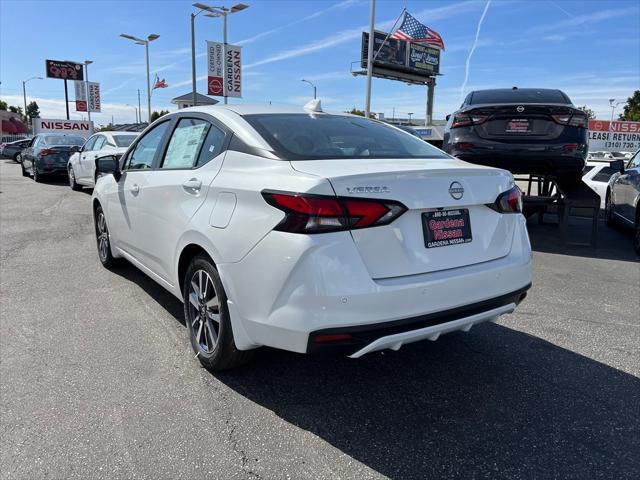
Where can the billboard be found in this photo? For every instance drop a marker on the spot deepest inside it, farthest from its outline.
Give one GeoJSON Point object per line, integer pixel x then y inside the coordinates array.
{"type": "Point", "coordinates": [75, 127]}
{"type": "Point", "coordinates": [64, 70]}
{"type": "Point", "coordinates": [614, 136]}
{"type": "Point", "coordinates": [224, 70]}
{"type": "Point", "coordinates": [400, 56]}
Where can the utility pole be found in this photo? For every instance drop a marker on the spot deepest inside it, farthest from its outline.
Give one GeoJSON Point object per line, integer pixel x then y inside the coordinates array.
{"type": "Point", "coordinates": [139, 109]}
{"type": "Point", "coordinates": [431, 86]}
{"type": "Point", "coordinates": [372, 21]}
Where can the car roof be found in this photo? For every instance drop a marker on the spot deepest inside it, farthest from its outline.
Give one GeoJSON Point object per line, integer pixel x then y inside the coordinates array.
{"type": "Point", "coordinates": [247, 108]}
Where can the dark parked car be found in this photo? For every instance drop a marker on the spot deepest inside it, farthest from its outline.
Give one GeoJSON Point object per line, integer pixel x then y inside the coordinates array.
{"type": "Point", "coordinates": [523, 130]}
{"type": "Point", "coordinates": [48, 153]}
{"type": "Point", "coordinates": [13, 149]}
{"type": "Point", "coordinates": [622, 202]}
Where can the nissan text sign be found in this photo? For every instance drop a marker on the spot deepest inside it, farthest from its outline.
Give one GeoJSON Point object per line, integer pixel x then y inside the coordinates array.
{"type": "Point", "coordinates": [614, 136]}
{"type": "Point", "coordinates": [54, 125]}
{"type": "Point", "coordinates": [64, 70]}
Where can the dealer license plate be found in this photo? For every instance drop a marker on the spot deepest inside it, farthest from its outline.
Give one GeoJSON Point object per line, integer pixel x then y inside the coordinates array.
{"type": "Point", "coordinates": [446, 227]}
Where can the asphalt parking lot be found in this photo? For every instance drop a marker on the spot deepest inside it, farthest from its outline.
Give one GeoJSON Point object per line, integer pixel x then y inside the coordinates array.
{"type": "Point", "coordinates": [98, 379]}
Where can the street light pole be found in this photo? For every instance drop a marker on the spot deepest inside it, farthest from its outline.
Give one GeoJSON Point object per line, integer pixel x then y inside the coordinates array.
{"type": "Point", "coordinates": [370, 46]}
{"type": "Point", "coordinates": [314, 87]}
{"type": "Point", "coordinates": [139, 41]}
{"type": "Point", "coordinates": [24, 93]}
{"type": "Point", "coordinates": [193, 56]}
{"type": "Point", "coordinates": [139, 108]}
{"type": "Point", "coordinates": [410, 113]}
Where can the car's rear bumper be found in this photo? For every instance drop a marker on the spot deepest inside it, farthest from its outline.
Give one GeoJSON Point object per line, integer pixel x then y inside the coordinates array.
{"type": "Point", "coordinates": [52, 169]}
{"type": "Point", "coordinates": [282, 297]}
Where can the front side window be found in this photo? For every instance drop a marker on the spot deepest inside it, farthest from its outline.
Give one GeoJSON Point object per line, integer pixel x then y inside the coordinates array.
{"type": "Point", "coordinates": [300, 136]}
{"type": "Point", "coordinates": [90, 143]}
{"type": "Point", "coordinates": [185, 144]}
{"type": "Point", "coordinates": [100, 141]}
{"type": "Point", "coordinates": [145, 150]}
{"type": "Point", "coordinates": [635, 161]}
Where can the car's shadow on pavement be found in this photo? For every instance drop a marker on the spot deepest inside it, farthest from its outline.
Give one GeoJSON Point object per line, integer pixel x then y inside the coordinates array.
{"type": "Point", "coordinates": [612, 243]}
{"type": "Point", "coordinates": [493, 403]}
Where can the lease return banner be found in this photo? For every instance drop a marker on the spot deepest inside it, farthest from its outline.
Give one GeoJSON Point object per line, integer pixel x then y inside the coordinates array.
{"type": "Point", "coordinates": [614, 136]}
{"type": "Point", "coordinates": [224, 70]}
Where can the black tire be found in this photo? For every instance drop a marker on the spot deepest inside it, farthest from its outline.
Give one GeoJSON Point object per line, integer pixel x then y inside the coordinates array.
{"type": "Point", "coordinates": [204, 296]}
{"type": "Point", "coordinates": [72, 181]}
{"type": "Point", "coordinates": [16, 157]}
{"type": "Point", "coordinates": [102, 240]}
{"type": "Point", "coordinates": [24, 172]}
{"type": "Point", "coordinates": [37, 177]}
{"type": "Point", "coordinates": [608, 210]}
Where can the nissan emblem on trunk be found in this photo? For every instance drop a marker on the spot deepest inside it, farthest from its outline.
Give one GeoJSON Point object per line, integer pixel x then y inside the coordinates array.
{"type": "Point", "coordinates": [456, 191]}
{"type": "Point", "coordinates": [520, 109]}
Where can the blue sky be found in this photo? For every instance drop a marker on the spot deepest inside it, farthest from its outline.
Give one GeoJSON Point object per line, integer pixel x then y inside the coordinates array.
{"type": "Point", "coordinates": [588, 48]}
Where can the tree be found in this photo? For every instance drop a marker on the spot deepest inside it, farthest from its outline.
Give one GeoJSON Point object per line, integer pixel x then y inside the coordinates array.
{"type": "Point", "coordinates": [590, 113]}
{"type": "Point", "coordinates": [631, 110]}
{"type": "Point", "coordinates": [17, 110]}
{"type": "Point", "coordinates": [355, 111]}
{"type": "Point", "coordinates": [3, 105]}
{"type": "Point", "coordinates": [156, 115]}
{"type": "Point", "coordinates": [33, 111]}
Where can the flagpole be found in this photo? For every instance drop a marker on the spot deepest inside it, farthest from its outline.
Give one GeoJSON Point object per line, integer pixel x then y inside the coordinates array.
{"type": "Point", "coordinates": [372, 21]}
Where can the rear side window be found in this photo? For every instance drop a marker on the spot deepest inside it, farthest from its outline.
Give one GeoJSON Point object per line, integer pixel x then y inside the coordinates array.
{"type": "Point", "coordinates": [213, 145]}
{"type": "Point", "coordinates": [523, 95]}
{"type": "Point", "coordinates": [185, 143]}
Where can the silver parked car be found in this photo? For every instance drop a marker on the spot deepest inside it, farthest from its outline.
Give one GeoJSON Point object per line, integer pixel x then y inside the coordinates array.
{"type": "Point", "coordinates": [623, 196]}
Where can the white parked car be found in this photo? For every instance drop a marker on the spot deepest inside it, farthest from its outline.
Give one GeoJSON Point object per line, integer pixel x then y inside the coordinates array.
{"type": "Point", "coordinates": [81, 165]}
{"type": "Point", "coordinates": [302, 230]}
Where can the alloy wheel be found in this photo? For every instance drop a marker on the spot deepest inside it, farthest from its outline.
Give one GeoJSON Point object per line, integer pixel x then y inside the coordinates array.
{"type": "Point", "coordinates": [204, 311]}
{"type": "Point", "coordinates": [103, 236]}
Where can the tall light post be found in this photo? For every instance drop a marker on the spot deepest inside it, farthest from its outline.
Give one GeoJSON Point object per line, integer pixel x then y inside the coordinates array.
{"type": "Point", "coordinates": [223, 12]}
{"type": "Point", "coordinates": [24, 93]}
{"type": "Point", "coordinates": [410, 113]}
{"type": "Point", "coordinates": [314, 87]}
{"type": "Point", "coordinates": [136, 110]}
{"type": "Point", "coordinates": [140, 41]}
{"type": "Point", "coordinates": [613, 104]}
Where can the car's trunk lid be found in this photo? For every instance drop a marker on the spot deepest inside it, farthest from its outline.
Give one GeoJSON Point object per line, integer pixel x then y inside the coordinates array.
{"type": "Point", "coordinates": [422, 185]}
{"type": "Point", "coordinates": [519, 122]}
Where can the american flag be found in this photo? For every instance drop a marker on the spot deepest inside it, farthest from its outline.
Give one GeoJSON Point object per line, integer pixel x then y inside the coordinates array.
{"type": "Point", "coordinates": [159, 83]}
{"type": "Point", "coordinates": [412, 30]}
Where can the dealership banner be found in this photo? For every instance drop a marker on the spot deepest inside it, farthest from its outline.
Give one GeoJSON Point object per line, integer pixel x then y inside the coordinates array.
{"type": "Point", "coordinates": [233, 69]}
{"type": "Point", "coordinates": [49, 125]}
{"type": "Point", "coordinates": [81, 96]}
{"type": "Point", "coordinates": [215, 68]}
{"type": "Point", "coordinates": [94, 96]}
{"type": "Point", "coordinates": [64, 70]}
{"type": "Point", "coordinates": [614, 136]}
{"type": "Point", "coordinates": [224, 71]}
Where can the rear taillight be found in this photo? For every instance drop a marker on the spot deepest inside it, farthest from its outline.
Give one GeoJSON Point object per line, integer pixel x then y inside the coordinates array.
{"type": "Point", "coordinates": [465, 120]}
{"type": "Point", "coordinates": [320, 214]}
{"type": "Point", "coordinates": [573, 120]}
{"type": "Point", "coordinates": [47, 151]}
{"type": "Point", "coordinates": [509, 201]}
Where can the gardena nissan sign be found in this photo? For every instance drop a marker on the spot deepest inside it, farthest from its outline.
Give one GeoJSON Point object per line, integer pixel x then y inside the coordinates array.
{"type": "Point", "coordinates": [53, 125]}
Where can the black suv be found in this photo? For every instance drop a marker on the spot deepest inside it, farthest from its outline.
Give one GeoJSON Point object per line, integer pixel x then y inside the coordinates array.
{"type": "Point", "coordinates": [523, 130]}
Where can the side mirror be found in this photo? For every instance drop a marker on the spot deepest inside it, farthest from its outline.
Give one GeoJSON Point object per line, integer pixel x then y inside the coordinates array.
{"type": "Point", "coordinates": [76, 149]}
{"type": "Point", "coordinates": [107, 165]}
{"type": "Point", "coordinates": [447, 117]}
{"type": "Point", "coordinates": [617, 165]}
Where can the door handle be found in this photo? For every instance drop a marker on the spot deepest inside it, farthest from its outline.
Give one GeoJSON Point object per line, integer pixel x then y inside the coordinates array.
{"type": "Point", "coordinates": [192, 184]}
{"type": "Point", "coordinates": [135, 188]}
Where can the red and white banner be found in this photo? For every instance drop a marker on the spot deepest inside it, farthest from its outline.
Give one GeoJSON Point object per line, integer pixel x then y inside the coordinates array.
{"type": "Point", "coordinates": [224, 71]}
{"type": "Point", "coordinates": [81, 96]}
{"type": "Point", "coordinates": [215, 69]}
{"type": "Point", "coordinates": [605, 135]}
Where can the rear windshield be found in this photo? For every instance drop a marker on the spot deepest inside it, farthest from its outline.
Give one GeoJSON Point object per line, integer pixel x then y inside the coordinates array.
{"type": "Point", "coordinates": [300, 136]}
{"type": "Point", "coordinates": [62, 140]}
{"type": "Point", "coordinates": [124, 140]}
{"type": "Point", "coordinates": [523, 95]}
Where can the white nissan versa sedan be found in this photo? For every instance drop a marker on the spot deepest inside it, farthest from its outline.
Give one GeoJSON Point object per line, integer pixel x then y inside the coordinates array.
{"type": "Point", "coordinates": [302, 230]}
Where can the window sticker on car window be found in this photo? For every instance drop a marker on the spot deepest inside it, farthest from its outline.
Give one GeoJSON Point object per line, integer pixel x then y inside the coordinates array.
{"type": "Point", "coordinates": [185, 143]}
